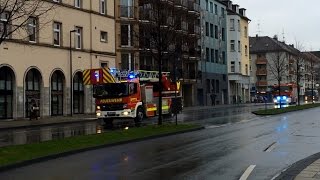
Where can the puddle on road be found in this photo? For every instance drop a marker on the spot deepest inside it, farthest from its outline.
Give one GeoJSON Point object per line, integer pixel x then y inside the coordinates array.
{"type": "Point", "coordinates": [47, 133]}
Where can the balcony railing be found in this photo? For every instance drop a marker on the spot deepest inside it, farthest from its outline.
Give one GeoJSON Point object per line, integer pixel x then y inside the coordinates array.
{"type": "Point", "coordinates": [126, 11]}
{"type": "Point", "coordinates": [146, 15]}
{"type": "Point", "coordinates": [182, 26]}
{"type": "Point", "coordinates": [261, 61]}
{"type": "Point", "coordinates": [261, 72]}
{"type": "Point", "coordinates": [193, 7]}
{"type": "Point", "coordinates": [181, 3]}
{"type": "Point", "coordinates": [262, 83]}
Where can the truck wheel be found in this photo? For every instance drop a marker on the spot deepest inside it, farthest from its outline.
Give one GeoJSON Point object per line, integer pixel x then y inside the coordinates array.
{"type": "Point", "coordinates": [108, 123]}
{"type": "Point", "coordinates": [138, 119]}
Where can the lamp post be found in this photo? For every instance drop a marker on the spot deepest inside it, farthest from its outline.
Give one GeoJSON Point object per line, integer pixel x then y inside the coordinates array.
{"type": "Point", "coordinates": [71, 83]}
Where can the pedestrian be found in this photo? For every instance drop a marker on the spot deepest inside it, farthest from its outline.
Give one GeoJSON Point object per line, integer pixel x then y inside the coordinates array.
{"type": "Point", "coordinates": [33, 110]}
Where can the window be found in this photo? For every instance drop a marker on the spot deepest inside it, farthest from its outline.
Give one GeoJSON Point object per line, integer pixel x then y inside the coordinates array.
{"type": "Point", "coordinates": [4, 24]}
{"type": "Point", "coordinates": [127, 62]}
{"type": "Point", "coordinates": [240, 67]}
{"type": "Point", "coordinates": [232, 24]}
{"type": "Point", "coordinates": [239, 28]}
{"type": "Point", "coordinates": [245, 31]}
{"type": "Point", "coordinates": [216, 9]}
{"type": "Point", "coordinates": [103, 36]}
{"type": "Point", "coordinates": [223, 34]}
{"type": "Point", "coordinates": [212, 55]}
{"type": "Point", "coordinates": [224, 77]}
{"type": "Point", "coordinates": [211, 30]}
{"type": "Point", "coordinates": [207, 54]}
{"type": "Point", "coordinates": [78, 37]}
{"type": "Point", "coordinates": [239, 46]}
{"type": "Point", "coordinates": [246, 50]}
{"type": "Point", "coordinates": [217, 86]}
{"type": "Point", "coordinates": [32, 29]}
{"type": "Point", "coordinates": [126, 34]}
{"type": "Point", "coordinates": [208, 85]}
{"type": "Point", "coordinates": [78, 3]}
{"type": "Point", "coordinates": [246, 69]}
{"type": "Point", "coordinates": [216, 56]}
{"type": "Point", "coordinates": [222, 12]}
{"type": "Point", "coordinates": [56, 34]}
{"type": "Point", "coordinates": [207, 29]}
{"type": "Point", "coordinates": [211, 7]}
{"type": "Point", "coordinates": [223, 57]}
{"type": "Point", "coordinates": [232, 48]}
{"type": "Point", "coordinates": [104, 64]}
{"type": "Point", "coordinates": [213, 85]}
{"type": "Point", "coordinates": [102, 7]}
{"type": "Point", "coordinates": [207, 5]}
{"type": "Point", "coordinates": [216, 32]}
{"type": "Point", "coordinates": [232, 66]}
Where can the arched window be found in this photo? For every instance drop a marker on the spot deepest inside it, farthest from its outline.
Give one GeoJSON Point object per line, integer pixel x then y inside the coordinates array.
{"type": "Point", "coordinates": [32, 90]}
{"type": "Point", "coordinates": [57, 82]}
{"type": "Point", "coordinates": [6, 93]}
{"type": "Point", "coordinates": [78, 94]}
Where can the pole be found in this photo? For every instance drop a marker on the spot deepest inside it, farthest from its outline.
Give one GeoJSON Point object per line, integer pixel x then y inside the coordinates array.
{"type": "Point", "coordinates": [159, 63]}
{"type": "Point", "coordinates": [71, 83]}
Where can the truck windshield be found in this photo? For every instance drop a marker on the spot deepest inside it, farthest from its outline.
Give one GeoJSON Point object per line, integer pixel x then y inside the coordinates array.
{"type": "Point", "coordinates": [282, 89]}
{"type": "Point", "coordinates": [111, 90]}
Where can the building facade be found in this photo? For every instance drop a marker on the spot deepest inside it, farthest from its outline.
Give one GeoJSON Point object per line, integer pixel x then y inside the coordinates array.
{"type": "Point", "coordinates": [127, 26]}
{"type": "Point", "coordinates": [265, 53]}
{"type": "Point", "coordinates": [213, 85]}
{"type": "Point", "coordinates": [36, 66]}
{"type": "Point", "coordinates": [173, 26]}
{"type": "Point", "coordinates": [238, 54]}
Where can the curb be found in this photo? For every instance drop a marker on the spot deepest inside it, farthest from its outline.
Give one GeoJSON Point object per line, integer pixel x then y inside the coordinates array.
{"type": "Point", "coordinates": [293, 170]}
{"type": "Point", "coordinates": [297, 110]}
{"type": "Point", "coordinates": [55, 156]}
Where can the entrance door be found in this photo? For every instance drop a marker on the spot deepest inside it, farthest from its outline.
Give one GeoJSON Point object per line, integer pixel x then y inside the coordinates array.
{"type": "Point", "coordinates": [32, 90]}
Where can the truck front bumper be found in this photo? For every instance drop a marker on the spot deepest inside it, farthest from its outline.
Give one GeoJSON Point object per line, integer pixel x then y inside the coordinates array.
{"type": "Point", "coordinates": [121, 114]}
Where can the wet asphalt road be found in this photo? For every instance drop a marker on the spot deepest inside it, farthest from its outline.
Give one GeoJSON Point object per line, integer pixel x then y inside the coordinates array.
{"type": "Point", "coordinates": [221, 151]}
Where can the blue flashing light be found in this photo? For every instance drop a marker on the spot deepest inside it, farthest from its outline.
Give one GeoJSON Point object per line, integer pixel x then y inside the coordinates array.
{"type": "Point", "coordinates": [278, 98]}
{"type": "Point", "coordinates": [284, 97]}
{"type": "Point", "coordinates": [131, 75]}
{"type": "Point", "coordinates": [96, 75]}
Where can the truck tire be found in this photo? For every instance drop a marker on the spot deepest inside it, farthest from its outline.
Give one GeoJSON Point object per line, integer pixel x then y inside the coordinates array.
{"type": "Point", "coordinates": [108, 123]}
{"type": "Point", "coordinates": [139, 117]}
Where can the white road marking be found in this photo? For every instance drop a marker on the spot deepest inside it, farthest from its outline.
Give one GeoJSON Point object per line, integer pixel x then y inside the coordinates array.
{"type": "Point", "coordinates": [211, 127]}
{"type": "Point", "coordinates": [271, 147]}
{"type": "Point", "coordinates": [248, 171]}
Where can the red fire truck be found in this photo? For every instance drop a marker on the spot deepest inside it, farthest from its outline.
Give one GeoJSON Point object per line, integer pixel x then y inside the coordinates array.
{"type": "Point", "coordinates": [288, 94]}
{"type": "Point", "coordinates": [131, 95]}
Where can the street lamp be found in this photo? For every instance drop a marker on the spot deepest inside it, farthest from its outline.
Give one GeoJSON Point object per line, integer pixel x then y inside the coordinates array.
{"type": "Point", "coordinates": [71, 83]}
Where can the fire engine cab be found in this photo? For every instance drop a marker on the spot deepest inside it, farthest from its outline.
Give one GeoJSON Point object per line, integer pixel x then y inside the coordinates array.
{"type": "Point", "coordinates": [131, 94]}
{"type": "Point", "coordinates": [287, 95]}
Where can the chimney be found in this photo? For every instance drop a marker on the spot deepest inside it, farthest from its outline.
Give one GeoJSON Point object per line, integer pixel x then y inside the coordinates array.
{"type": "Point", "coordinates": [275, 37]}
{"type": "Point", "coordinates": [257, 35]}
{"type": "Point", "coordinates": [292, 45]}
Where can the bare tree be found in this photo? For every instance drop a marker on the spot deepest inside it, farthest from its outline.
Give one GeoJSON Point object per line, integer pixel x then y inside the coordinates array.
{"type": "Point", "coordinates": [15, 15]}
{"type": "Point", "coordinates": [277, 64]}
{"type": "Point", "coordinates": [160, 36]}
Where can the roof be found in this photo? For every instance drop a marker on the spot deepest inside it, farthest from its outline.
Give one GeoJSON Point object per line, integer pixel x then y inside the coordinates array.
{"type": "Point", "coordinates": [267, 44]}
{"type": "Point", "coordinates": [311, 55]}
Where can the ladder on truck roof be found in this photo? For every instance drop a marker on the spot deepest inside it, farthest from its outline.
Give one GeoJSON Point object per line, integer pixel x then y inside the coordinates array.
{"type": "Point", "coordinates": [143, 75]}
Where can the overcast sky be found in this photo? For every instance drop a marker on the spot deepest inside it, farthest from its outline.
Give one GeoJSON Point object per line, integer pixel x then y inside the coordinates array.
{"type": "Point", "coordinates": [299, 19]}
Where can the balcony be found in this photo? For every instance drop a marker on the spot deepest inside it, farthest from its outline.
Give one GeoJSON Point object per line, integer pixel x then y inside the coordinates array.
{"type": "Point", "coordinates": [261, 72]}
{"type": "Point", "coordinates": [146, 16]}
{"type": "Point", "coordinates": [291, 61]}
{"type": "Point", "coordinates": [169, 2]}
{"type": "Point", "coordinates": [126, 12]}
{"type": "Point", "coordinates": [291, 72]}
{"type": "Point", "coordinates": [181, 4]}
{"type": "Point", "coordinates": [183, 26]}
{"type": "Point", "coordinates": [193, 8]}
{"type": "Point", "coordinates": [262, 83]}
{"type": "Point", "coordinates": [193, 30]}
{"type": "Point", "coordinates": [261, 61]}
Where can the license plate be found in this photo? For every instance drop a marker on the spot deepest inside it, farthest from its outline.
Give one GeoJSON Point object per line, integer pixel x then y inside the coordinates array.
{"type": "Point", "coordinates": [111, 113]}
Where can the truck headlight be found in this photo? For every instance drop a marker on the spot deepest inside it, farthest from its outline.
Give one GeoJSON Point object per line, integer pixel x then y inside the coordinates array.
{"type": "Point", "coordinates": [275, 100]}
{"type": "Point", "coordinates": [126, 113]}
{"type": "Point", "coordinates": [98, 108]}
{"type": "Point", "coordinates": [98, 114]}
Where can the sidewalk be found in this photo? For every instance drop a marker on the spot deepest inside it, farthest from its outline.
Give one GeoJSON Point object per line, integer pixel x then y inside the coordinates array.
{"type": "Point", "coordinates": [305, 169]}
{"type": "Point", "coordinates": [23, 123]}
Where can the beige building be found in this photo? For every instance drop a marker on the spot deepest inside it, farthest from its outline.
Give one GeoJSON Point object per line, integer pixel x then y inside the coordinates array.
{"type": "Point", "coordinates": [38, 67]}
